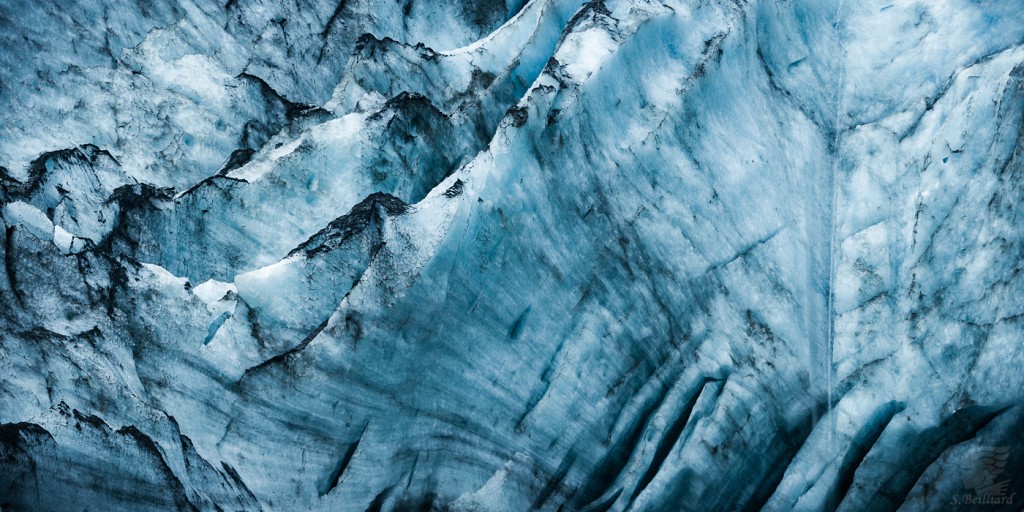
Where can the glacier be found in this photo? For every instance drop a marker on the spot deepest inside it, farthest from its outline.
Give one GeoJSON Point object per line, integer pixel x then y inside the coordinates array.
{"type": "Point", "coordinates": [510, 255]}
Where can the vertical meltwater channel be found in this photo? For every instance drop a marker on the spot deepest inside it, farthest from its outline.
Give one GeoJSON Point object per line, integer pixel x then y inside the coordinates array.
{"type": "Point", "coordinates": [838, 69]}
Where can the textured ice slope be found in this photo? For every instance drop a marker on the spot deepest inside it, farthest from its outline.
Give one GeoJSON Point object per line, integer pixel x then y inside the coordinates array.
{"type": "Point", "coordinates": [620, 255]}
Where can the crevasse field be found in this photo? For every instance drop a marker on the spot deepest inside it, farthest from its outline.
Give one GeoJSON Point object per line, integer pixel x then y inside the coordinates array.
{"type": "Point", "coordinates": [508, 255]}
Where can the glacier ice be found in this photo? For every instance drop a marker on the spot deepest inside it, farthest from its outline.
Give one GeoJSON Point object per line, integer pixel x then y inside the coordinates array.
{"type": "Point", "coordinates": [511, 255]}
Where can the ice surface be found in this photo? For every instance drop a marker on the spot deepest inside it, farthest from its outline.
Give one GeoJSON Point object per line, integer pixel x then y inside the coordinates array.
{"type": "Point", "coordinates": [503, 255]}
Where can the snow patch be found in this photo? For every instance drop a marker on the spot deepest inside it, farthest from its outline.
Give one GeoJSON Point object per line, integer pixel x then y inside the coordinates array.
{"type": "Point", "coordinates": [31, 218]}
{"type": "Point", "coordinates": [213, 291]}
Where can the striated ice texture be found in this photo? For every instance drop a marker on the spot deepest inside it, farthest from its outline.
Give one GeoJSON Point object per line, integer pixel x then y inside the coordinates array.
{"type": "Point", "coordinates": [504, 255]}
